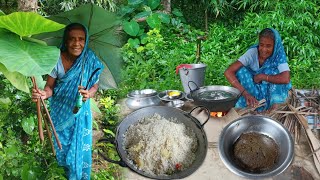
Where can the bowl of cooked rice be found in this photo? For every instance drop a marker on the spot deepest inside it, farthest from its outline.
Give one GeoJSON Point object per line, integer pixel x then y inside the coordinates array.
{"type": "Point", "coordinates": [256, 147]}
{"type": "Point", "coordinates": [161, 142]}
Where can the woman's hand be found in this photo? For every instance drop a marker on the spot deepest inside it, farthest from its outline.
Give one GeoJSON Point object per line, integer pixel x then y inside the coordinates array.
{"type": "Point", "coordinates": [36, 94]}
{"type": "Point", "coordinates": [260, 77]}
{"type": "Point", "coordinates": [85, 93]}
{"type": "Point", "coordinates": [251, 101]}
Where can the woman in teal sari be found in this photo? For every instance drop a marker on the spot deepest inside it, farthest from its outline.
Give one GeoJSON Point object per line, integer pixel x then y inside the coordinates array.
{"type": "Point", "coordinates": [77, 72]}
{"type": "Point", "coordinates": [262, 73]}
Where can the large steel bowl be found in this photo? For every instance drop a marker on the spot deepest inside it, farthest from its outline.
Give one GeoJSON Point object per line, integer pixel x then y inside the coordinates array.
{"type": "Point", "coordinates": [258, 124]}
{"type": "Point", "coordinates": [142, 98]}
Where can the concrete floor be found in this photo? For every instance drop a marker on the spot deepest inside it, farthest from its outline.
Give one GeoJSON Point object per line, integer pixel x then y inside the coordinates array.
{"type": "Point", "coordinates": [213, 167]}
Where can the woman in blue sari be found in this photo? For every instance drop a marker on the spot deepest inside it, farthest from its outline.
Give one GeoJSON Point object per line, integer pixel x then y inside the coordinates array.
{"type": "Point", "coordinates": [76, 73]}
{"type": "Point", "coordinates": [262, 73]}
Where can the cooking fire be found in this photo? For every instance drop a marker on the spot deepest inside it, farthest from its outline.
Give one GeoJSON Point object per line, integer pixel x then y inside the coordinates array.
{"type": "Point", "coordinates": [218, 114]}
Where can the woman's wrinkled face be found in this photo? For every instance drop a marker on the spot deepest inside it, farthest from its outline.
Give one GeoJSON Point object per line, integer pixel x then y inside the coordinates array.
{"type": "Point", "coordinates": [266, 46]}
{"type": "Point", "coordinates": [75, 42]}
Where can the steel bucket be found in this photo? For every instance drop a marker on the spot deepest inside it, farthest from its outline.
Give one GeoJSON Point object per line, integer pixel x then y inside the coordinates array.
{"type": "Point", "coordinates": [191, 72]}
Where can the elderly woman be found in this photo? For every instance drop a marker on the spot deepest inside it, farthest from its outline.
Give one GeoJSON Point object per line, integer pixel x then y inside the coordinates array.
{"type": "Point", "coordinates": [262, 73]}
{"type": "Point", "coordinates": [77, 67]}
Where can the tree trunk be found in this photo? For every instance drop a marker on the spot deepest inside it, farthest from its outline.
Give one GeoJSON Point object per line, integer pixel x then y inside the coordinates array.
{"type": "Point", "coordinates": [28, 5]}
{"type": "Point", "coordinates": [166, 6]}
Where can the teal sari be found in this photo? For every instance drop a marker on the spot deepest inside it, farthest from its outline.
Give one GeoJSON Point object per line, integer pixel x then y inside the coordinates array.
{"type": "Point", "coordinates": [75, 130]}
{"type": "Point", "coordinates": [272, 93]}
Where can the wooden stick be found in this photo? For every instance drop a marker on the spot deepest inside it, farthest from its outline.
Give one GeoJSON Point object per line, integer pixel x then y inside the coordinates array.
{"type": "Point", "coordinates": [313, 141]}
{"type": "Point", "coordinates": [52, 126]}
{"type": "Point", "coordinates": [49, 133]}
{"type": "Point", "coordinates": [40, 130]}
{"type": "Point", "coordinates": [290, 112]}
{"type": "Point", "coordinates": [48, 115]}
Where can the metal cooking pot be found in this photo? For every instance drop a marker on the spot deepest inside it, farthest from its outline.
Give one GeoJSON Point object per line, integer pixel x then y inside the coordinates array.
{"type": "Point", "coordinates": [142, 98]}
{"type": "Point", "coordinates": [219, 105]}
{"type": "Point", "coordinates": [262, 125]}
{"type": "Point", "coordinates": [166, 112]}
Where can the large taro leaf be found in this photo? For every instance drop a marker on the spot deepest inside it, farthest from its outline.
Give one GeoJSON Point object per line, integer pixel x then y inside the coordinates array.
{"type": "Point", "coordinates": [28, 23]}
{"type": "Point", "coordinates": [17, 80]}
{"type": "Point", "coordinates": [27, 58]}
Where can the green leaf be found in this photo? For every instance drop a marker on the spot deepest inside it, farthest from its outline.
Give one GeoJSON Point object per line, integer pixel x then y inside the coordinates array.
{"type": "Point", "coordinates": [11, 151]}
{"type": "Point", "coordinates": [40, 82]}
{"type": "Point", "coordinates": [28, 125]}
{"type": "Point", "coordinates": [134, 2]}
{"type": "Point", "coordinates": [94, 106]}
{"type": "Point", "coordinates": [153, 4]}
{"type": "Point", "coordinates": [164, 17]}
{"type": "Point", "coordinates": [1, 14]}
{"type": "Point", "coordinates": [142, 15]}
{"type": "Point", "coordinates": [132, 28]}
{"type": "Point", "coordinates": [28, 23]}
{"type": "Point", "coordinates": [27, 58]}
{"type": "Point", "coordinates": [107, 131]}
{"type": "Point", "coordinates": [134, 42]}
{"type": "Point", "coordinates": [154, 21]}
{"type": "Point", "coordinates": [17, 79]}
{"type": "Point", "coordinates": [5, 103]}
{"type": "Point", "coordinates": [144, 38]}
{"type": "Point", "coordinates": [177, 12]}
{"type": "Point", "coordinates": [125, 10]}
{"type": "Point", "coordinates": [27, 173]}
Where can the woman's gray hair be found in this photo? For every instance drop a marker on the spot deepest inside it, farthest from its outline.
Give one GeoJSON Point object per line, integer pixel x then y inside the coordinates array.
{"type": "Point", "coordinates": [267, 32]}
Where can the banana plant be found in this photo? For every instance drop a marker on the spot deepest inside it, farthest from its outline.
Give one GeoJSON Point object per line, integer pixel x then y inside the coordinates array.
{"type": "Point", "coordinates": [22, 56]}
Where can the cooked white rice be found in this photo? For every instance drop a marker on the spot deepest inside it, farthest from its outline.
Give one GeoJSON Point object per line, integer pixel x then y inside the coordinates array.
{"type": "Point", "coordinates": [160, 146]}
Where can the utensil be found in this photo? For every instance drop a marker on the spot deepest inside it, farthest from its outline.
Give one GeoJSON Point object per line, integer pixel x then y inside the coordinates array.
{"type": "Point", "coordinates": [164, 95]}
{"type": "Point", "coordinates": [142, 98]}
{"type": "Point", "coordinates": [167, 112]}
{"type": "Point", "coordinates": [177, 103]}
{"type": "Point", "coordinates": [216, 105]}
{"type": "Point", "coordinates": [262, 125]}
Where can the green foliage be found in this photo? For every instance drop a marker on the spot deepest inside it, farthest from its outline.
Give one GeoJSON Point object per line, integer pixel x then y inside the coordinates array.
{"type": "Point", "coordinates": [227, 41]}
{"type": "Point", "coordinates": [153, 64]}
{"type": "Point", "coordinates": [108, 121]}
{"type": "Point", "coordinates": [140, 16]}
{"type": "Point", "coordinates": [53, 7]}
{"type": "Point", "coordinates": [22, 156]}
{"type": "Point", "coordinates": [28, 125]}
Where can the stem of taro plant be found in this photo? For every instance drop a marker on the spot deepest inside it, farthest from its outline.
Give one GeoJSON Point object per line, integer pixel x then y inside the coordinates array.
{"type": "Point", "coordinates": [45, 120]}
{"type": "Point", "coordinates": [47, 113]}
{"type": "Point", "coordinates": [38, 113]}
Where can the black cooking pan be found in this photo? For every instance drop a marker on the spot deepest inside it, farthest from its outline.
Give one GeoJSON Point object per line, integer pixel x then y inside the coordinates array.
{"type": "Point", "coordinates": [166, 112]}
{"type": "Point", "coordinates": [212, 103]}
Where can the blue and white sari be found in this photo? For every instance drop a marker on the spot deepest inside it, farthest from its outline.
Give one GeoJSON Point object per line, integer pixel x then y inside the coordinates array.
{"type": "Point", "coordinates": [75, 130]}
{"type": "Point", "coordinates": [273, 93]}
